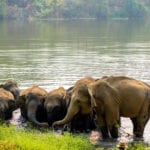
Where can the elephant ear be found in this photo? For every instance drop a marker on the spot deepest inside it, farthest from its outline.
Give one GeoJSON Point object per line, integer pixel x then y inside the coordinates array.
{"type": "Point", "coordinates": [93, 101]}
{"type": "Point", "coordinates": [83, 94]}
{"type": "Point", "coordinates": [68, 95]}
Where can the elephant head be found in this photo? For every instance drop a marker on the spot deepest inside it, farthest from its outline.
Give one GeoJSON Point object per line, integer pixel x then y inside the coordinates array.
{"type": "Point", "coordinates": [80, 101]}
{"type": "Point", "coordinates": [31, 103]}
{"type": "Point", "coordinates": [11, 86]}
{"type": "Point", "coordinates": [7, 104]}
{"type": "Point", "coordinates": [55, 105]}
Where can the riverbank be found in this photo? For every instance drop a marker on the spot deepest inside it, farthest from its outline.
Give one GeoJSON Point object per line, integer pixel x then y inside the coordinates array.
{"type": "Point", "coordinates": [14, 138]}
{"type": "Point", "coordinates": [74, 9]}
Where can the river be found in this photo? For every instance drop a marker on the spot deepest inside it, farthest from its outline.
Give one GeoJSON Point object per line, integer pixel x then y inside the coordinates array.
{"type": "Point", "coordinates": [57, 53]}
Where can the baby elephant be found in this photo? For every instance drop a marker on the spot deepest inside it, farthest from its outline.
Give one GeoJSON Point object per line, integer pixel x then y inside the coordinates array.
{"type": "Point", "coordinates": [9, 92]}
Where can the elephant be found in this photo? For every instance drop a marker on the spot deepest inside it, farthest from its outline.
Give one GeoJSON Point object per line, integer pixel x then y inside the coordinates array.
{"type": "Point", "coordinates": [55, 105]}
{"type": "Point", "coordinates": [80, 103]}
{"type": "Point", "coordinates": [111, 97]}
{"type": "Point", "coordinates": [11, 86]}
{"type": "Point", "coordinates": [120, 96]}
{"type": "Point", "coordinates": [9, 92]}
{"type": "Point", "coordinates": [31, 103]}
{"type": "Point", "coordinates": [80, 122]}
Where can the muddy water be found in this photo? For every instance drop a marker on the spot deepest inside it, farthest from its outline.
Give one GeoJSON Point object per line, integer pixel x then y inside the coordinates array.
{"type": "Point", "coordinates": [57, 53]}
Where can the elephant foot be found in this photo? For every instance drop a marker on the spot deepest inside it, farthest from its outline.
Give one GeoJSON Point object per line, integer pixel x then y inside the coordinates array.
{"type": "Point", "coordinates": [104, 131]}
{"type": "Point", "coordinates": [138, 139]}
{"type": "Point", "coordinates": [114, 132]}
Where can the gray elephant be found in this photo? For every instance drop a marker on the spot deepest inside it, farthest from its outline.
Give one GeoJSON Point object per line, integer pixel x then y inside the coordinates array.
{"type": "Point", "coordinates": [9, 92]}
{"type": "Point", "coordinates": [111, 97]}
{"type": "Point", "coordinates": [31, 103]}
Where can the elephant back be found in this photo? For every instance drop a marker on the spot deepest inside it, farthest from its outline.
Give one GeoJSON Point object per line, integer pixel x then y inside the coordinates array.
{"type": "Point", "coordinates": [6, 94]}
{"type": "Point", "coordinates": [34, 89]}
{"type": "Point", "coordinates": [12, 86]}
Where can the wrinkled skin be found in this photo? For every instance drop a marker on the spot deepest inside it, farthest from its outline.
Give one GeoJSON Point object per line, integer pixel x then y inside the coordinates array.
{"type": "Point", "coordinates": [31, 103]}
{"type": "Point", "coordinates": [80, 102]}
{"type": "Point", "coordinates": [55, 105]}
{"type": "Point", "coordinates": [113, 97]}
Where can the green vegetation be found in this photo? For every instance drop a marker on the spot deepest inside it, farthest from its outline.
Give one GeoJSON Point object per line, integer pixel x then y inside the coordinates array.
{"type": "Point", "coordinates": [69, 9]}
{"type": "Point", "coordinates": [11, 139]}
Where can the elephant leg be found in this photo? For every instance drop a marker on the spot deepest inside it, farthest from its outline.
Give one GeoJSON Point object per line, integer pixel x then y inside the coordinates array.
{"type": "Point", "coordinates": [114, 131]}
{"type": "Point", "coordinates": [134, 121]}
{"type": "Point", "coordinates": [104, 131]}
{"type": "Point", "coordinates": [140, 122]}
{"type": "Point", "coordinates": [112, 121]}
{"type": "Point", "coordinates": [102, 124]}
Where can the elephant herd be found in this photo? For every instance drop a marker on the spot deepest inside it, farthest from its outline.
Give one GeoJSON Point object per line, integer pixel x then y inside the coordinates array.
{"type": "Point", "coordinates": [89, 104]}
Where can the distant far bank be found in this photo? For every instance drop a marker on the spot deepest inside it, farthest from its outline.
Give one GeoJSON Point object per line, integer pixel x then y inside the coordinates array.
{"type": "Point", "coordinates": [74, 9]}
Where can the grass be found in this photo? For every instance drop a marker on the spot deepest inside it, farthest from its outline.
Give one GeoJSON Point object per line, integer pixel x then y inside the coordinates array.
{"type": "Point", "coordinates": [12, 138]}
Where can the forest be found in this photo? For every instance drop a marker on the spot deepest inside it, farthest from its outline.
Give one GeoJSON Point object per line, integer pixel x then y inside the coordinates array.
{"type": "Point", "coordinates": [74, 9]}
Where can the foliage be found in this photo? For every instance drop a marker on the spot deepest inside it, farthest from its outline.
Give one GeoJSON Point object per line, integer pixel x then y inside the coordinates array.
{"type": "Point", "coordinates": [100, 9]}
{"type": "Point", "coordinates": [133, 9]}
{"type": "Point", "coordinates": [2, 9]}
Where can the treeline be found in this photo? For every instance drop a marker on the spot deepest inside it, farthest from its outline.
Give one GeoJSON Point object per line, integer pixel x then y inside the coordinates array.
{"type": "Point", "coordinates": [69, 9]}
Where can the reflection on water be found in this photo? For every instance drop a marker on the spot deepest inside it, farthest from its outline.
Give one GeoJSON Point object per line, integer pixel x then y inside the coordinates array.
{"type": "Point", "coordinates": [57, 53]}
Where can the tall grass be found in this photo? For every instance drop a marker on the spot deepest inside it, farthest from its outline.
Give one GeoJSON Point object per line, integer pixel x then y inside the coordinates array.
{"type": "Point", "coordinates": [13, 139]}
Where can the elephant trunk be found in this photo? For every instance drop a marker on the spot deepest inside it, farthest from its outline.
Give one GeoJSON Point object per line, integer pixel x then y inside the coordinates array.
{"type": "Point", "coordinates": [72, 111]}
{"type": "Point", "coordinates": [31, 113]}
